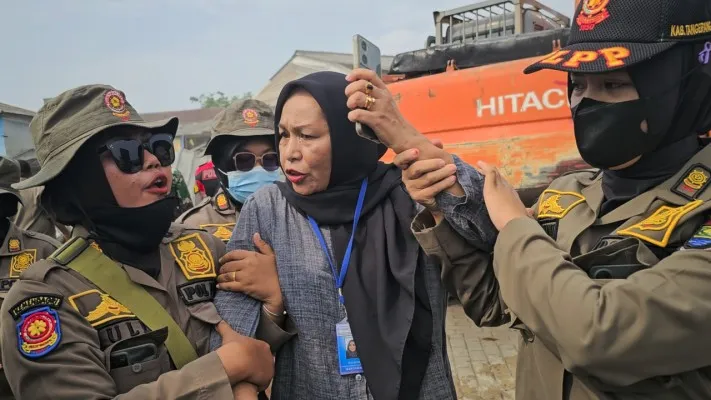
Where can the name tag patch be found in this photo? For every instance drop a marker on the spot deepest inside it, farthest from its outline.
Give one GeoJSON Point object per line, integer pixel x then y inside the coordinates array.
{"type": "Point", "coordinates": [120, 330]}
{"type": "Point", "coordinates": [197, 291]}
{"type": "Point", "coordinates": [6, 284]}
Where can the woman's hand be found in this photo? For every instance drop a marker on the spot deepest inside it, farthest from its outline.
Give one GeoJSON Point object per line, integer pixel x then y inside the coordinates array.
{"type": "Point", "coordinates": [502, 201]}
{"type": "Point", "coordinates": [244, 358]}
{"type": "Point", "coordinates": [383, 116]}
{"type": "Point", "coordinates": [424, 179]}
{"type": "Point", "coordinates": [253, 273]}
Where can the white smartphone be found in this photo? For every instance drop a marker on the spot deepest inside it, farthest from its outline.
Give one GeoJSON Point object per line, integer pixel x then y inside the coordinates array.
{"type": "Point", "coordinates": [366, 55]}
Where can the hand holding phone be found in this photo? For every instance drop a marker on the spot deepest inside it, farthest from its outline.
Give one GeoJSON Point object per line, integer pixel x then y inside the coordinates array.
{"type": "Point", "coordinates": [366, 55]}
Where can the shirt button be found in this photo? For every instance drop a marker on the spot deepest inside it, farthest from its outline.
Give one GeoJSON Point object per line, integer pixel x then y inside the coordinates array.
{"type": "Point", "coordinates": [359, 377]}
{"type": "Point", "coordinates": [136, 368]}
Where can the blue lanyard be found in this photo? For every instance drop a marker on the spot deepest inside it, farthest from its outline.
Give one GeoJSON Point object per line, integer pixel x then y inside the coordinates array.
{"type": "Point", "coordinates": [347, 257]}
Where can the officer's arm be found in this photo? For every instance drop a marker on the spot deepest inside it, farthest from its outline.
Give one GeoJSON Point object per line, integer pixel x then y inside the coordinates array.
{"type": "Point", "coordinates": [466, 271]}
{"type": "Point", "coordinates": [60, 357]}
{"type": "Point", "coordinates": [654, 323]}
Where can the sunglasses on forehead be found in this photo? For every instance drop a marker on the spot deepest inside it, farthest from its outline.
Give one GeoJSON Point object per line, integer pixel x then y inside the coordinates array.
{"type": "Point", "coordinates": [128, 153]}
{"type": "Point", "coordinates": [245, 161]}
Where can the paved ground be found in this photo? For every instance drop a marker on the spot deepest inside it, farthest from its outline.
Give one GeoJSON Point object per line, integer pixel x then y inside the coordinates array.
{"type": "Point", "coordinates": [483, 359]}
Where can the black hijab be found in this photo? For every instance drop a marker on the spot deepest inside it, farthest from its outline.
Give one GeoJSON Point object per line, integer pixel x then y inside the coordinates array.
{"type": "Point", "coordinates": [676, 90]}
{"type": "Point", "coordinates": [385, 295]}
{"type": "Point", "coordinates": [81, 195]}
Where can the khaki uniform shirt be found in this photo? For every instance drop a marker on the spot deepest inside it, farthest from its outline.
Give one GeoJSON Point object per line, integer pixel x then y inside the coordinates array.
{"type": "Point", "coordinates": [216, 215]}
{"type": "Point", "coordinates": [31, 217]}
{"type": "Point", "coordinates": [56, 311]}
{"type": "Point", "coordinates": [18, 251]}
{"type": "Point", "coordinates": [591, 327]}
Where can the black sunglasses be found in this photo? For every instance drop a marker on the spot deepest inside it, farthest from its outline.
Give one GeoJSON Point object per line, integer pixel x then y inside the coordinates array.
{"type": "Point", "coordinates": [245, 161]}
{"type": "Point", "coordinates": [128, 153]}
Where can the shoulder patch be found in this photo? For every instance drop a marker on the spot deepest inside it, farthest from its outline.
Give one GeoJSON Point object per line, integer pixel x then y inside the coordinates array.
{"type": "Point", "coordinates": [28, 303]}
{"type": "Point", "coordinates": [20, 262]}
{"type": "Point", "coordinates": [221, 202]}
{"type": "Point", "coordinates": [98, 308]}
{"type": "Point", "coordinates": [197, 291]}
{"type": "Point", "coordinates": [658, 227]}
{"type": "Point", "coordinates": [556, 204]}
{"type": "Point", "coordinates": [193, 256]}
{"type": "Point", "coordinates": [694, 182]}
{"type": "Point", "coordinates": [702, 238]}
{"type": "Point", "coordinates": [38, 332]}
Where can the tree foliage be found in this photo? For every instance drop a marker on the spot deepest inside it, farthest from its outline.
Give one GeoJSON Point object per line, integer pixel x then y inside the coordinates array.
{"type": "Point", "coordinates": [218, 99]}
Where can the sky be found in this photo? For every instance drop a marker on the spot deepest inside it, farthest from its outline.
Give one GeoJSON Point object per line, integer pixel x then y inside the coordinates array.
{"type": "Point", "coordinates": [162, 52]}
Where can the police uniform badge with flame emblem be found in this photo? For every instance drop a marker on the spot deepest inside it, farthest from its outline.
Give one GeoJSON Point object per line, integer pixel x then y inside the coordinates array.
{"type": "Point", "coordinates": [193, 256]}
{"type": "Point", "coordinates": [592, 12]}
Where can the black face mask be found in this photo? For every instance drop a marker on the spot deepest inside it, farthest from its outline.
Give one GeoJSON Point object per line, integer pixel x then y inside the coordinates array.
{"type": "Point", "coordinates": [610, 134]}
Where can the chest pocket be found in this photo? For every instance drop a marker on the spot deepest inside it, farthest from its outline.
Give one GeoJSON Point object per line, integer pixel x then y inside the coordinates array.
{"type": "Point", "coordinates": [138, 360]}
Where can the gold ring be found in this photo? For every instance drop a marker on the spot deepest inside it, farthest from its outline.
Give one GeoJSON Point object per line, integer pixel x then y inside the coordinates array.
{"type": "Point", "coordinates": [369, 101]}
{"type": "Point", "coordinates": [368, 88]}
{"type": "Point", "coordinates": [234, 276]}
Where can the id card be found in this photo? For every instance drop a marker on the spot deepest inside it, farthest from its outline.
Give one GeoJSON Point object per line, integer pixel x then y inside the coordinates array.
{"type": "Point", "coordinates": [348, 360]}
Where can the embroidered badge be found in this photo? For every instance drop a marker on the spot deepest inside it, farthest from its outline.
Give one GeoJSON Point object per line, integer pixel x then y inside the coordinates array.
{"type": "Point", "coordinates": [658, 227]}
{"type": "Point", "coordinates": [114, 101]}
{"type": "Point", "coordinates": [222, 231]}
{"type": "Point", "coordinates": [592, 12]}
{"type": "Point", "coordinates": [42, 300]}
{"type": "Point", "coordinates": [556, 204]}
{"type": "Point", "coordinates": [13, 245]}
{"type": "Point", "coordinates": [20, 262]}
{"type": "Point", "coordinates": [702, 238]}
{"type": "Point", "coordinates": [38, 332]}
{"type": "Point", "coordinates": [222, 202]}
{"type": "Point", "coordinates": [197, 292]}
{"type": "Point", "coordinates": [98, 308]}
{"type": "Point", "coordinates": [250, 117]}
{"type": "Point", "coordinates": [694, 182]}
{"type": "Point", "coordinates": [193, 257]}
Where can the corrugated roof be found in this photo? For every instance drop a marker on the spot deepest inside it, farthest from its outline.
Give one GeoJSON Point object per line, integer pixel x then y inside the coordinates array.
{"type": "Point", "coordinates": [185, 116]}
{"type": "Point", "coordinates": [9, 109]}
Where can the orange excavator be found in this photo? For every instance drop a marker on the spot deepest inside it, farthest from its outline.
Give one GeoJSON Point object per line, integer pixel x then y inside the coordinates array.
{"type": "Point", "coordinates": [467, 88]}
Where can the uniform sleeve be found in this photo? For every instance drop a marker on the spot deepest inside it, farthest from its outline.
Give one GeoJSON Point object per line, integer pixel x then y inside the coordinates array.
{"type": "Point", "coordinates": [654, 323]}
{"type": "Point", "coordinates": [468, 214]}
{"type": "Point", "coordinates": [240, 311]}
{"type": "Point", "coordinates": [75, 367]}
{"type": "Point", "coordinates": [466, 271]}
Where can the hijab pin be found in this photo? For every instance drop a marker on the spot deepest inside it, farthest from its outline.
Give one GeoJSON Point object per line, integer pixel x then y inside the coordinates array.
{"type": "Point", "coordinates": [705, 53]}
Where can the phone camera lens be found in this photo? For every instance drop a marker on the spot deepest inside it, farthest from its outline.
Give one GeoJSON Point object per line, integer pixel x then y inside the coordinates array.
{"type": "Point", "coordinates": [363, 46]}
{"type": "Point", "coordinates": [364, 59]}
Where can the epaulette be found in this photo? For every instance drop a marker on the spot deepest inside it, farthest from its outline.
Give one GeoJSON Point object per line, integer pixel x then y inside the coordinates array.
{"type": "Point", "coordinates": [45, 238]}
{"type": "Point", "coordinates": [39, 270]}
{"type": "Point", "coordinates": [187, 213]}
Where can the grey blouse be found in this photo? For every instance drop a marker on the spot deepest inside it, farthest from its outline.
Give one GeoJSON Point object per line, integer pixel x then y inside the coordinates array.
{"type": "Point", "coordinates": [307, 365]}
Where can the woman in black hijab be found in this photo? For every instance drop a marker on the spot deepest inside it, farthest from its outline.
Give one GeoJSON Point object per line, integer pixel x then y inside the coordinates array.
{"type": "Point", "coordinates": [609, 284]}
{"type": "Point", "coordinates": [341, 203]}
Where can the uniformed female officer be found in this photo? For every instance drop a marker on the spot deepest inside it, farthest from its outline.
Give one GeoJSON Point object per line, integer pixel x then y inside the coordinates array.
{"type": "Point", "coordinates": [609, 284]}
{"type": "Point", "coordinates": [125, 307]}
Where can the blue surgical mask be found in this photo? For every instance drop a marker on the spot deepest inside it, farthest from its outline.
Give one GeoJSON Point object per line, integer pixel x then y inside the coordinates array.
{"type": "Point", "coordinates": [242, 184]}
